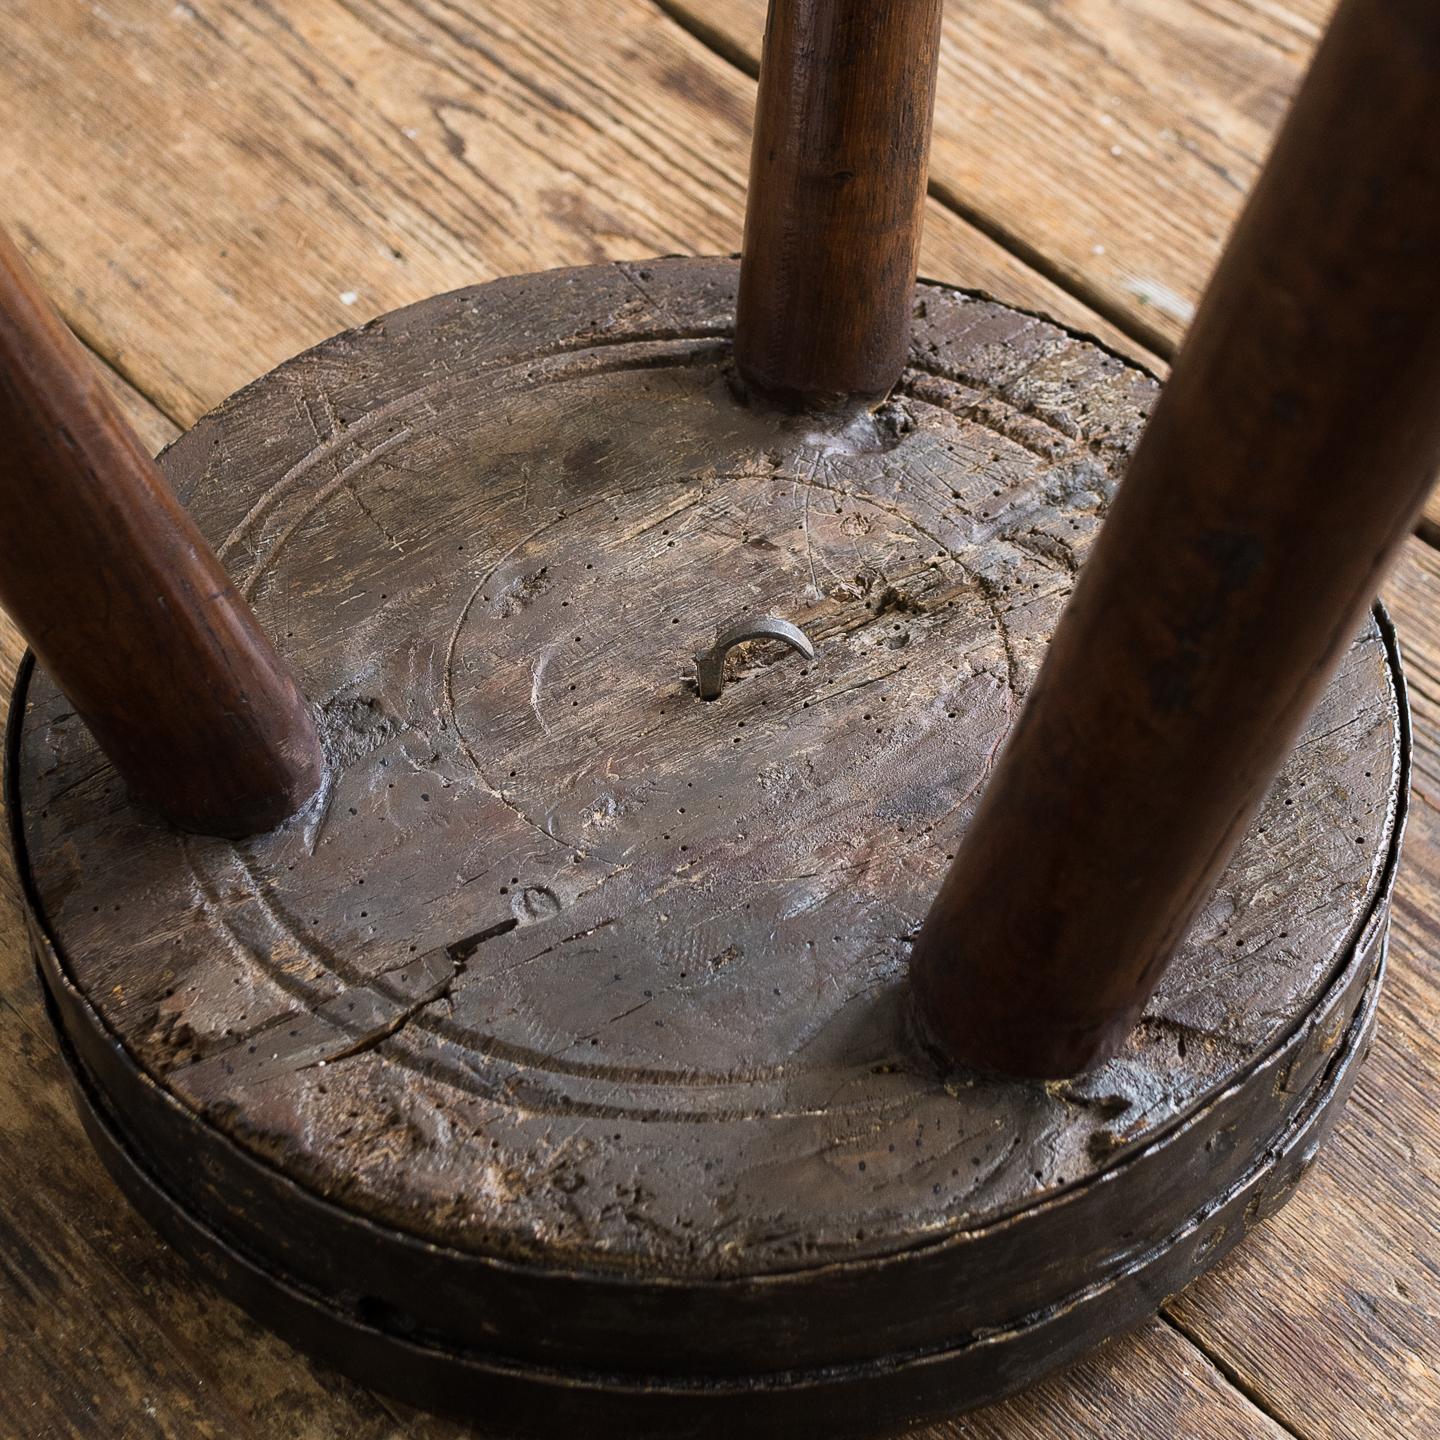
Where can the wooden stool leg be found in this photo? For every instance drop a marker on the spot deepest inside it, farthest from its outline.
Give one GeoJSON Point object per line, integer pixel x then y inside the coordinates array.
{"type": "Point", "coordinates": [837, 195]}
{"type": "Point", "coordinates": [124, 603]}
{"type": "Point", "coordinates": [1288, 456]}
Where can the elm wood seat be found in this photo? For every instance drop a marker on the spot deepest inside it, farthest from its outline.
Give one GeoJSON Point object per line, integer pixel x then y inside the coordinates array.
{"type": "Point", "coordinates": [556, 1061]}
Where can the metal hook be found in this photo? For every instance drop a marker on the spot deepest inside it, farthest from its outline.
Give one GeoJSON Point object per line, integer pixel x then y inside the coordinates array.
{"type": "Point", "coordinates": [710, 667]}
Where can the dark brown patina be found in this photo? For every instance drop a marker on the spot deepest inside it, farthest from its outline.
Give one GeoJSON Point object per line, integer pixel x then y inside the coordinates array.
{"type": "Point", "coordinates": [568, 1028]}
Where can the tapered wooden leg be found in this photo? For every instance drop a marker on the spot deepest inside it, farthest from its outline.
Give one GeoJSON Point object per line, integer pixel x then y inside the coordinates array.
{"type": "Point", "coordinates": [124, 603]}
{"type": "Point", "coordinates": [1287, 457]}
{"type": "Point", "coordinates": [837, 194]}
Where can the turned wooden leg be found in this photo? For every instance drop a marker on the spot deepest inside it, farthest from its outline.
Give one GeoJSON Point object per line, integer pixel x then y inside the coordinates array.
{"type": "Point", "coordinates": [837, 196]}
{"type": "Point", "coordinates": [1287, 457]}
{"type": "Point", "coordinates": [123, 602]}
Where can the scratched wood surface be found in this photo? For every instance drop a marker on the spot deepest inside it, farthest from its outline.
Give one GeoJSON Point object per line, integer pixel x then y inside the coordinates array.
{"type": "Point", "coordinates": [1108, 143]}
{"type": "Point", "coordinates": [207, 188]}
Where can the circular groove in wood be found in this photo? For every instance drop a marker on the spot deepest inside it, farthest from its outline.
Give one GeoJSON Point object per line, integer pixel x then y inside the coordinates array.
{"type": "Point", "coordinates": [412, 508]}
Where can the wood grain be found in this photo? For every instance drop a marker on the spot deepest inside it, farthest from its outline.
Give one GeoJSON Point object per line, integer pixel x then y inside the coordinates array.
{"type": "Point", "coordinates": [155, 429]}
{"type": "Point", "coordinates": [107, 1333]}
{"type": "Point", "coordinates": [251, 165]}
{"type": "Point", "coordinates": [1108, 143]}
{"type": "Point", "coordinates": [1115, 140]}
{"type": "Point", "coordinates": [206, 188]}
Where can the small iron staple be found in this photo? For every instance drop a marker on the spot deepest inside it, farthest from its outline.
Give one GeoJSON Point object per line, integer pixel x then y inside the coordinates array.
{"type": "Point", "coordinates": [710, 667]}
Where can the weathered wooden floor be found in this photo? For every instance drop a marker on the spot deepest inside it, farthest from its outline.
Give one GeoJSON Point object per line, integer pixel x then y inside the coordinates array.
{"type": "Point", "coordinates": [208, 186]}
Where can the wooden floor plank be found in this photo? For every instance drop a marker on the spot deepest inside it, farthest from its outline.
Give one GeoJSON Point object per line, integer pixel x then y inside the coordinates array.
{"type": "Point", "coordinates": [208, 187]}
{"type": "Point", "coordinates": [1152, 1384]}
{"type": "Point", "coordinates": [155, 429]}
